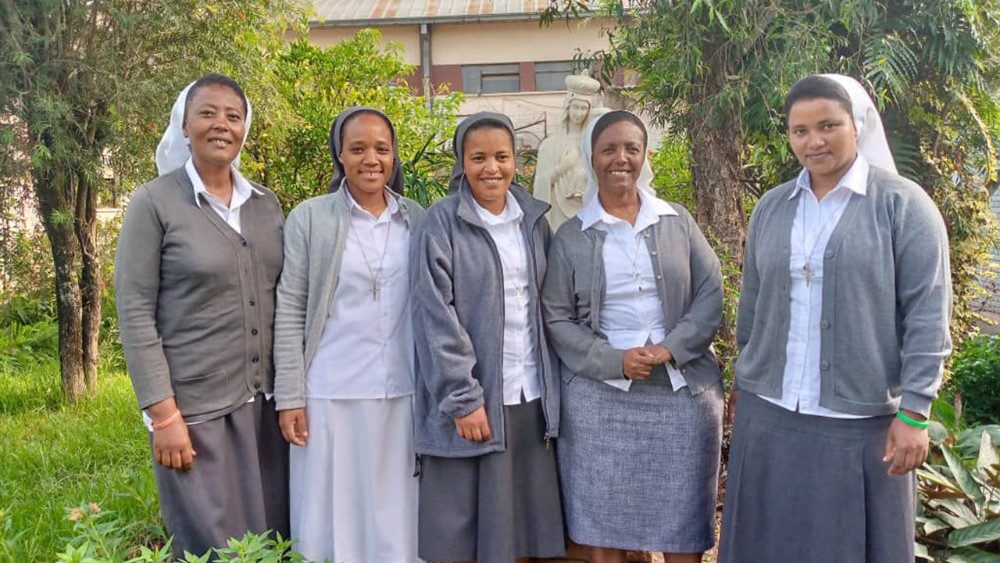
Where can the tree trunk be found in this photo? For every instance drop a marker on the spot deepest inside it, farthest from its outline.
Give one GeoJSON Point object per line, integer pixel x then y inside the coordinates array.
{"type": "Point", "coordinates": [55, 204]}
{"type": "Point", "coordinates": [90, 278]}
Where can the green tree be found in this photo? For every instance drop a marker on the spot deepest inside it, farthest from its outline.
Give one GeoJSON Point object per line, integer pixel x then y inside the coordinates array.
{"type": "Point", "coordinates": [290, 153]}
{"type": "Point", "coordinates": [84, 88]}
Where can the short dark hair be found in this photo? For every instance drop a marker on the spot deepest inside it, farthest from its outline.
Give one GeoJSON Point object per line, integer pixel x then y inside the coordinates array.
{"type": "Point", "coordinates": [615, 116]}
{"type": "Point", "coordinates": [215, 79]}
{"type": "Point", "coordinates": [815, 87]}
{"type": "Point", "coordinates": [489, 123]}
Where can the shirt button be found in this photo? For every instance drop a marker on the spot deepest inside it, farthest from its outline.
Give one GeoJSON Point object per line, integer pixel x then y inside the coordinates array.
{"type": "Point", "coordinates": [824, 365]}
{"type": "Point", "coordinates": [255, 360]}
{"type": "Point", "coordinates": [252, 302]}
{"type": "Point", "coordinates": [256, 386]}
{"type": "Point", "coordinates": [659, 277]}
{"type": "Point", "coordinates": [653, 253]}
{"type": "Point", "coordinates": [253, 331]}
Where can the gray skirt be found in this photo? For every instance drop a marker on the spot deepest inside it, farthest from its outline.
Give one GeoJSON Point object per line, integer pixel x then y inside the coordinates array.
{"type": "Point", "coordinates": [813, 488]}
{"type": "Point", "coordinates": [639, 469]}
{"type": "Point", "coordinates": [239, 481]}
{"type": "Point", "coordinates": [496, 507]}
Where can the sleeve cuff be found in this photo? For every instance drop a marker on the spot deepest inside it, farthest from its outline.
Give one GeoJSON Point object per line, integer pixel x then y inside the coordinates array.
{"type": "Point", "coordinates": [467, 409]}
{"type": "Point", "coordinates": [916, 403]}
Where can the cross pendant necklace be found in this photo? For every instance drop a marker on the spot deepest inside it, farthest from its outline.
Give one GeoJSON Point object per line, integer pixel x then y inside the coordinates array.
{"type": "Point", "coordinates": [807, 273]}
{"type": "Point", "coordinates": [375, 273]}
{"type": "Point", "coordinates": [375, 290]}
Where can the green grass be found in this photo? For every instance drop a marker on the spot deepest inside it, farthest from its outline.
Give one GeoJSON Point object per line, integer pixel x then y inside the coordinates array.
{"type": "Point", "coordinates": [55, 456]}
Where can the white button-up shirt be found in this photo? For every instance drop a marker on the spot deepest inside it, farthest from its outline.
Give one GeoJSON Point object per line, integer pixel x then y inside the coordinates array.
{"type": "Point", "coordinates": [242, 190]}
{"type": "Point", "coordinates": [632, 312]}
{"type": "Point", "coordinates": [520, 372]}
{"type": "Point", "coordinates": [814, 222]}
{"type": "Point", "coordinates": [366, 350]}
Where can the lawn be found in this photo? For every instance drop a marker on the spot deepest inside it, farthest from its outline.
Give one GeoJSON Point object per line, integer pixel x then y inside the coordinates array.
{"type": "Point", "coordinates": [56, 457]}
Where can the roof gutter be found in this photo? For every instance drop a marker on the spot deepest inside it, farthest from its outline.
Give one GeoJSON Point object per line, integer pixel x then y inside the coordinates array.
{"type": "Point", "coordinates": [382, 22]}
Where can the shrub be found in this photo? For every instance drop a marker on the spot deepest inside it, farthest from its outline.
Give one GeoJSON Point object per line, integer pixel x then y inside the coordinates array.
{"type": "Point", "coordinates": [975, 377]}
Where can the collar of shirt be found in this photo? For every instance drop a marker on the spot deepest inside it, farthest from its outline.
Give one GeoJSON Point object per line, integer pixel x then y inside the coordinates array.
{"type": "Point", "coordinates": [242, 188]}
{"type": "Point", "coordinates": [650, 210]}
{"type": "Point", "coordinates": [511, 212]}
{"type": "Point", "coordinates": [356, 209]}
{"type": "Point", "coordinates": [855, 179]}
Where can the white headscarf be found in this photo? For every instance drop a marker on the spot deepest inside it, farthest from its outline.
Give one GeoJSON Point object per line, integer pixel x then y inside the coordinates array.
{"type": "Point", "coordinates": [587, 150]}
{"type": "Point", "coordinates": [872, 142]}
{"type": "Point", "coordinates": [174, 149]}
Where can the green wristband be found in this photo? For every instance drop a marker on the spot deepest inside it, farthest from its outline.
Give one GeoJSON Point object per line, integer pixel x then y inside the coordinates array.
{"type": "Point", "coordinates": [921, 424]}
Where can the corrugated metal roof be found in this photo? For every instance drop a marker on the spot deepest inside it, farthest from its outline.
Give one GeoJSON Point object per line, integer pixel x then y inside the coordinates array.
{"type": "Point", "coordinates": [355, 12]}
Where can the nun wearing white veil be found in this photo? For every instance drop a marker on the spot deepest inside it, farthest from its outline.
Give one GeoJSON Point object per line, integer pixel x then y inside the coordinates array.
{"type": "Point", "coordinates": [632, 300]}
{"type": "Point", "coordinates": [842, 333]}
{"type": "Point", "coordinates": [198, 258]}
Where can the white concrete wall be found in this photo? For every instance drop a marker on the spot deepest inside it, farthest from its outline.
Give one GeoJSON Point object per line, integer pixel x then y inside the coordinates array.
{"type": "Point", "coordinates": [508, 42]}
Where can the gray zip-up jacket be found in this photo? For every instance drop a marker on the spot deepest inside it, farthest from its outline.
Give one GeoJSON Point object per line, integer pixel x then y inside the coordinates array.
{"type": "Point", "coordinates": [458, 317]}
{"type": "Point", "coordinates": [886, 299]}
{"type": "Point", "coordinates": [315, 238]}
{"type": "Point", "coordinates": [688, 279]}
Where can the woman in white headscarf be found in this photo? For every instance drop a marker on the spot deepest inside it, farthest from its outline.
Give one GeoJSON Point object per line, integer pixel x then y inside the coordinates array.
{"type": "Point", "coordinates": [195, 272]}
{"type": "Point", "coordinates": [843, 332]}
{"type": "Point", "coordinates": [632, 300]}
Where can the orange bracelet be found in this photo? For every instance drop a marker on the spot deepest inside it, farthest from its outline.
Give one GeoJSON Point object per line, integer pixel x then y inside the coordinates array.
{"type": "Point", "coordinates": [167, 421]}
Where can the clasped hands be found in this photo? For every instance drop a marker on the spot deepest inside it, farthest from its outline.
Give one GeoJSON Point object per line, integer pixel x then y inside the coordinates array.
{"type": "Point", "coordinates": [638, 363]}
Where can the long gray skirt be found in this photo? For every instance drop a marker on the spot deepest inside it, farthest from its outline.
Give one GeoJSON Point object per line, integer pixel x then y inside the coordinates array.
{"type": "Point", "coordinates": [239, 481]}
{"type": "Point", "coordinates": [496, 507]}
{"type": "Point", "coordinates": [639, 468]}
{"type": "Point", "coordinates": [812, 488]}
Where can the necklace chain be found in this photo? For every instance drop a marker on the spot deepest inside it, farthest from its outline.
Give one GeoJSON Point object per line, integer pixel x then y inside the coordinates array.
{"type": "Point", "coordinates": [375, 274]}
{"type": "Point", "coordinates": [636, 274]}
{"type": "Point", "coordinates": [807, 271]}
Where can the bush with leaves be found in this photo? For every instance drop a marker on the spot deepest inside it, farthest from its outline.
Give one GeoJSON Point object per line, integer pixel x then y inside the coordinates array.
{"type": "Point", "coordinates": [959, 491]}
{"type": "Point", "coordinates": [288, 150]}
{"type": "Point", "coordinates": [975, 379]}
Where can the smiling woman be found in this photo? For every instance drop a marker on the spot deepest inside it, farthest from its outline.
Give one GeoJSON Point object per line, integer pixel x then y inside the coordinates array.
{"type": "Point", "coordinates": [197, 263]}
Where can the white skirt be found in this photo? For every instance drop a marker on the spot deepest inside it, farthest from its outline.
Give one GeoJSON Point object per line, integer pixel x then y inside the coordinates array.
{"type": "Point", "coordinates": [353, 495]}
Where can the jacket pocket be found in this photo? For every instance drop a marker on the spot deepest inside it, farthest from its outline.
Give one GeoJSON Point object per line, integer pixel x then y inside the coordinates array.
{"type": "Point", "coordinates": [203, 393]}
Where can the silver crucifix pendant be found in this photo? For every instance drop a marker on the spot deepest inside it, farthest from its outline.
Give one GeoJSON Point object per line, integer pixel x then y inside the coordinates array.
{"type": "Point", "coordinates": [807, 273]}
{"type": "Point", "coordinates": [374, 291]}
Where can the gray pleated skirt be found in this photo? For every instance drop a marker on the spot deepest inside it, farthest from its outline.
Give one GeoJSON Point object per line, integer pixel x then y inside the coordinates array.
{"type": "Point", "coordinates": [639, 468]}
{"type": "Point", "coordinates": [239, 481]}
{"type": "Point", "coordinates": [813, 488]}
{"type": "Point", "coordinates": [495, 507]}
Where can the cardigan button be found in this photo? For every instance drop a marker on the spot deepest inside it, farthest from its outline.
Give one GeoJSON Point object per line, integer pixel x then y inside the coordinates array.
{"type": "Point", "coordinates": [252, 302]}
{"type": "Point", "coordinates": [253, 331]}
{"type": "Point", "coordinates": [825, 324]}
{"type": "Point", "coordinates": [255, 360]}
{"type": "Point", "coordinates": [824, 365]}
{"type": "Point", "coordinates": [828, 254]}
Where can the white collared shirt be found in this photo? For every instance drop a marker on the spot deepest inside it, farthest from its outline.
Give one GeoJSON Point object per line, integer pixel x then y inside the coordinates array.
{"type": "Point", "coordinates": [366, 350]}
{"type": "Point", "coordinates": [242, 190]}
{"type": "Point", "coordinates": [520, 372]}
{"type": "Point", "coordinates": [632, 312]}
{"type": "Point", "coordinates": [814, 222]}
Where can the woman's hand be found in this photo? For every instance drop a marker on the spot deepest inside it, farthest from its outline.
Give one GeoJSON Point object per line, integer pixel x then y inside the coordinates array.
{"type": "Point", "coordinates": [172, 447]}
{"type": "Point", "coordinates": [638, 363]}
{"type": "Point", "coordinates": [905, 446]}
{"type": "Point", "coordinates": [171, 444]}
{"type": "Point", "coordinates": [294, 426]}
{"type": "Point", "coordinates": [659, 353]}
{"type": "Point", "coordinates": [474, 426]}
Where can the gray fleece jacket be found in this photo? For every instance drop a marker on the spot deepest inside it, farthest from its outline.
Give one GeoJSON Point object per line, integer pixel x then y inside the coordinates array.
{"type": "Point", "coordinates": [458, 316]}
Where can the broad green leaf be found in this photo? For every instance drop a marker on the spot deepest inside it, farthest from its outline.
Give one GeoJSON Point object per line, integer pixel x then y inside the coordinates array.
{"type": "Point", "coordinates": [962, 476]}
{"type": "Point", "coordinates": [972, 555]}
{"type": "Point", "coordinates": [977, 534]}
{"type": "Point", "coordinates": [987, 452]}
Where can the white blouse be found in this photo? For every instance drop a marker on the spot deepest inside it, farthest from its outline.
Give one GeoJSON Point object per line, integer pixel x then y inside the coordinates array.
{"type": "Point", "coordinates": [366, 350]}
{"type": "Point", "coordinates": [632, 311]}
{"type": "Point", "coordinates": [520, 372]}
{"type": "Point", "coordinates": [814, 222]}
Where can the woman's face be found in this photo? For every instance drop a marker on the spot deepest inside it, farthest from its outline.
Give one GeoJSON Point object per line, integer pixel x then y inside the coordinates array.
{"type": "Point", "coordinates": [214, 124]}
{"type": "Point", "coordinates": [577, 111]}
{"type": "Point", "coordinates": [488, 158]}
{"type": "Point", "coordinates": [822, 135]}
{"type": "Point", "coordinates": [618, 155]}
{"type": "Point", "coordinates": [366, 153]}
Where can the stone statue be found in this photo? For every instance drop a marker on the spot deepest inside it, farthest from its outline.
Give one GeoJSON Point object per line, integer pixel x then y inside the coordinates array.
{"type": "Point", "coordinates": [559, 172]}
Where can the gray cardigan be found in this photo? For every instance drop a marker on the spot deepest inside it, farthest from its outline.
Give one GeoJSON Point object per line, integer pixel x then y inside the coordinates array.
{"type": "Point", "coordinates": [315, 237]}
{"type": "Point", "coordinates": [458, 319]}
{"type": "Point", "coordinates": [196, 298]}
{"type": "Point", "coordinates": [886, 300]}
{"type": "Point", "coordinates": [689, 282]}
